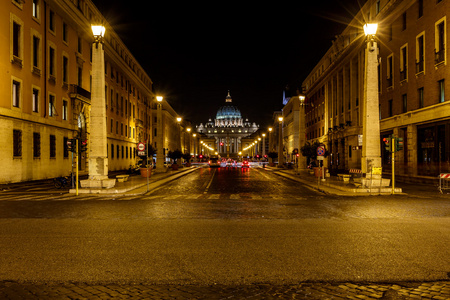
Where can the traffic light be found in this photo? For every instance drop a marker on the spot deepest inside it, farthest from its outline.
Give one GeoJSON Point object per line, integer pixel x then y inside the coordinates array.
{"type": "Point", "coordinates": [387, 144]}
{"type": "Point", "coordinates": [83, 145]}
{"type": "Point", "coordinates": [398, 144]}
{"type": "Point", "coordinates": [72, 145]}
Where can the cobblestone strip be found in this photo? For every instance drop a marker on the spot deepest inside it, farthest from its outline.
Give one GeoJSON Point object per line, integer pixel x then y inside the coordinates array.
{"type": "Point", "coordinates": [357, 291]}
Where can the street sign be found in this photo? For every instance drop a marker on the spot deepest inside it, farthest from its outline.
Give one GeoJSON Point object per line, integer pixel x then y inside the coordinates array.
{"type": "Point", "coordinates": [320, 151]}
{"type": "Point", "coordinates": [141, 147]}
{"type": "Point", "coordinates": [141, 153]}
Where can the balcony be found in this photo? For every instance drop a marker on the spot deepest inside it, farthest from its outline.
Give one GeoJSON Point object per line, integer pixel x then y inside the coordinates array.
{"type": "Point", "coordinates": [419, 67]}
{"type": "Point", "coordinates": [77, 92]}
{"type": "Point", "coordinates": [439, 56]}
{"type": "Point", "coordinates": [389, 81]}
{"type": "Point", "coordinates": [403, 74]}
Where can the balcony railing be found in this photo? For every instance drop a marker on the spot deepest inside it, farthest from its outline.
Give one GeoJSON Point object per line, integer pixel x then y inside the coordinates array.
{"type": "Point", "coordinates": [439, 56]}
{"type": "Point", "coordinates": [77, 92]}
{"type": "Point", "coordinates": [389, 81]}
{"type": "Point", "coordinates": [403, 74]}
{"type": "Point", "coordinates": [419, 66]}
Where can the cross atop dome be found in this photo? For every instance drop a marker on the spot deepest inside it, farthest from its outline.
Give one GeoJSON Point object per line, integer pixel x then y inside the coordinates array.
{"type": "Point", "coordinates": [228, 98]}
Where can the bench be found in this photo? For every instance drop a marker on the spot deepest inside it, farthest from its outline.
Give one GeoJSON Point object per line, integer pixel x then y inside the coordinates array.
{"type": "Point", "coordinates": [122, 178]}
{"type": "Point", "coordinates": [357, 181]}
{"type": "Point", "coordinates": [344, 177]}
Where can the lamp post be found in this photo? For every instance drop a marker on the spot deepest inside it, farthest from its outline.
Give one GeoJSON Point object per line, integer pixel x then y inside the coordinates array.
{"type": "Point", "coordinates": [194, 135]}
{"type": "Point", "coordinates": [159, 137]}
{"type": "Point", "coordinates": [280, 142]}
{"type": "Point", "coordinates": [263, 145]}
{"type": "Point", "coordinates": [371, 152]}
{"type": "Point", "coordinates": [179, 144]}
{"type": "Point", "coordinates": [302, 132]}
{"type": "Point", "coordinates": [98, 153]}
{"type": "Point", "coordinates": [187, 148]}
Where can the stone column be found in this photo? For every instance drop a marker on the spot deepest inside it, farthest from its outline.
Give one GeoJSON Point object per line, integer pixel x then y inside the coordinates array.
{"type": "Point", "coordinates": [371, 153]}
{"type": "Point", "coordinates": [98, 153]}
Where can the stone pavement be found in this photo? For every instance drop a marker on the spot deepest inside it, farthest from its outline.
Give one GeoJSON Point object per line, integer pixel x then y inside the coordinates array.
{"type": "Point", "coordinates": [430, 290]}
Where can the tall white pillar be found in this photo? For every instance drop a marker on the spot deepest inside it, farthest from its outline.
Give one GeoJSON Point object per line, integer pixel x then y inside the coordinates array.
{"type": "Point", "coordinates": [98, 153]}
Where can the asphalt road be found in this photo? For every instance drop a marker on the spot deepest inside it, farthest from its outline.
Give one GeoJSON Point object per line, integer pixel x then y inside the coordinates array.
{"type": "Point", "coordinates": [225, 226]}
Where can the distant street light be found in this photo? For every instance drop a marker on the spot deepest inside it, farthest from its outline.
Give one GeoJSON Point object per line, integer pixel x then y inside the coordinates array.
{"type": "Point", "coordinates": [302, 132]}
{"type": "Point", "coordinates": [179, 133]}
{"type": "Point", "coordinates": [160, 157]}
{"type": "Point", "coordinates": [280, 142]}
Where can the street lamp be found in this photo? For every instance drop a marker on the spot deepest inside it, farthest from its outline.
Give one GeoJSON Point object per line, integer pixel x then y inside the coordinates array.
{"type": "Point", "coordinates": [302, 131]}
{"type": "Point", "coordinates": [371, 152]}
{"type": "Point", "coordinates": [280, 142]}
{"type": "Point", "coordinates": [179, 133]}
{"type": "Point", "coordinates": [159, 137]}
{"type": "Point", "coordinates": [98, 151]}
{"type": "Point", "coordinates": [264, 145]}
{"type": "Point", "coordinates": [188, 150]}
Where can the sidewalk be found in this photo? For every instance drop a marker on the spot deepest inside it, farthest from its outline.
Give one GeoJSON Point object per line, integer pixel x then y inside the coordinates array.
{"type": "Point", "coordinates": [332, 185]}
{"type": "Point", "coordinates": [138, 185]}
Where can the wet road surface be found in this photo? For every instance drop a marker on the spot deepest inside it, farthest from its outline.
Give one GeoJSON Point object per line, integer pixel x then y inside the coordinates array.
{"type": "Point", "coordinates": [224, 226]}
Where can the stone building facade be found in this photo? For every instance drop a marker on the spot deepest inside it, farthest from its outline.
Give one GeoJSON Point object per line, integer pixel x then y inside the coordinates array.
{"type": "Point", "coordinates": [45, 84]}
{"type": "Point", "coordinates": [412, 80]}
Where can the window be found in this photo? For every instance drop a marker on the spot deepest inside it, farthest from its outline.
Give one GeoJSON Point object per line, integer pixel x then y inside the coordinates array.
{"type": "Point", "coordinates": [377, 9]}
{"type": "Point", "coordinates": [404, 103]}
{"type": "Point", "coordinates": [390, 108]}
{"type": "Point", "coordinates": [79, 45]}
{"type": "Point", "coordinates": [65, 70]}
{"type": "Point", "coordinates": [36, 144]}
{"type": "Point", "coordinates": [64, 110]}
{"type": "Point", "coordinates": [441, 91]}
{"type": "Point", "coordinates": [421, 98]}
{"type": "Point", "coordinates": [36, 52]}
{"type": "Point", "coordinates": [35, 100]}
{"type": "Point", "coordinates": [80, 76]}
{"type": "Point", "coordinates": [52, 146]}
{"type": "Point", "coordinates": [404, 63]}
{"type": "Point", "coordinates": [17, 42]}
{"type": "Point", "coordinates": [17, 143]}
{"type": "Point", "coordinates": [420, 53]}
{"type": "Point", "coordinates": [389, 67]}
{"type": "Point", "coordinates": [65, 32]}
{"type": "Point", "coordinates": [440, 41]}
{"type": "Point", "coordinates": [52, 61]}
{"type": "Point", "coordinates": [51, 21]}
{"type": "Point", "coordinates": [420, 3]}
{"type": "Point", "coordinates": [16, 93]}
{"type": "Point", "coordinates": [35, 10]}
{"type": "Point", "coordinates": [112, 150]}
{"type": "Point", "coordinates": [51, 105]}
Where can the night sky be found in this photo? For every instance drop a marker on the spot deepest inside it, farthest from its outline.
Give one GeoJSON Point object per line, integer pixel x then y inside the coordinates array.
{"type": "Point", "coordinates": [195, 53]}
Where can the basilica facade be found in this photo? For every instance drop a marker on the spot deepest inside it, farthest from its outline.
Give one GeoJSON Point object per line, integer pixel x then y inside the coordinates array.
{"type": "Point", "coordinates": [228, 129]}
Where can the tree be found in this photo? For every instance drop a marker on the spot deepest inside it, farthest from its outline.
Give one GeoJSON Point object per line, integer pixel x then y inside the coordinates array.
{"type": "Point", "coordinates": [272, 155]}
{"type": "Point", "coordinates": [175, 155]}
{"type": "Point", "coordinates": [187, 157]}
{"type": "Point", "coordinates": [310, 150]}
{"type": "Point", "coordinates": [150, 151]}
